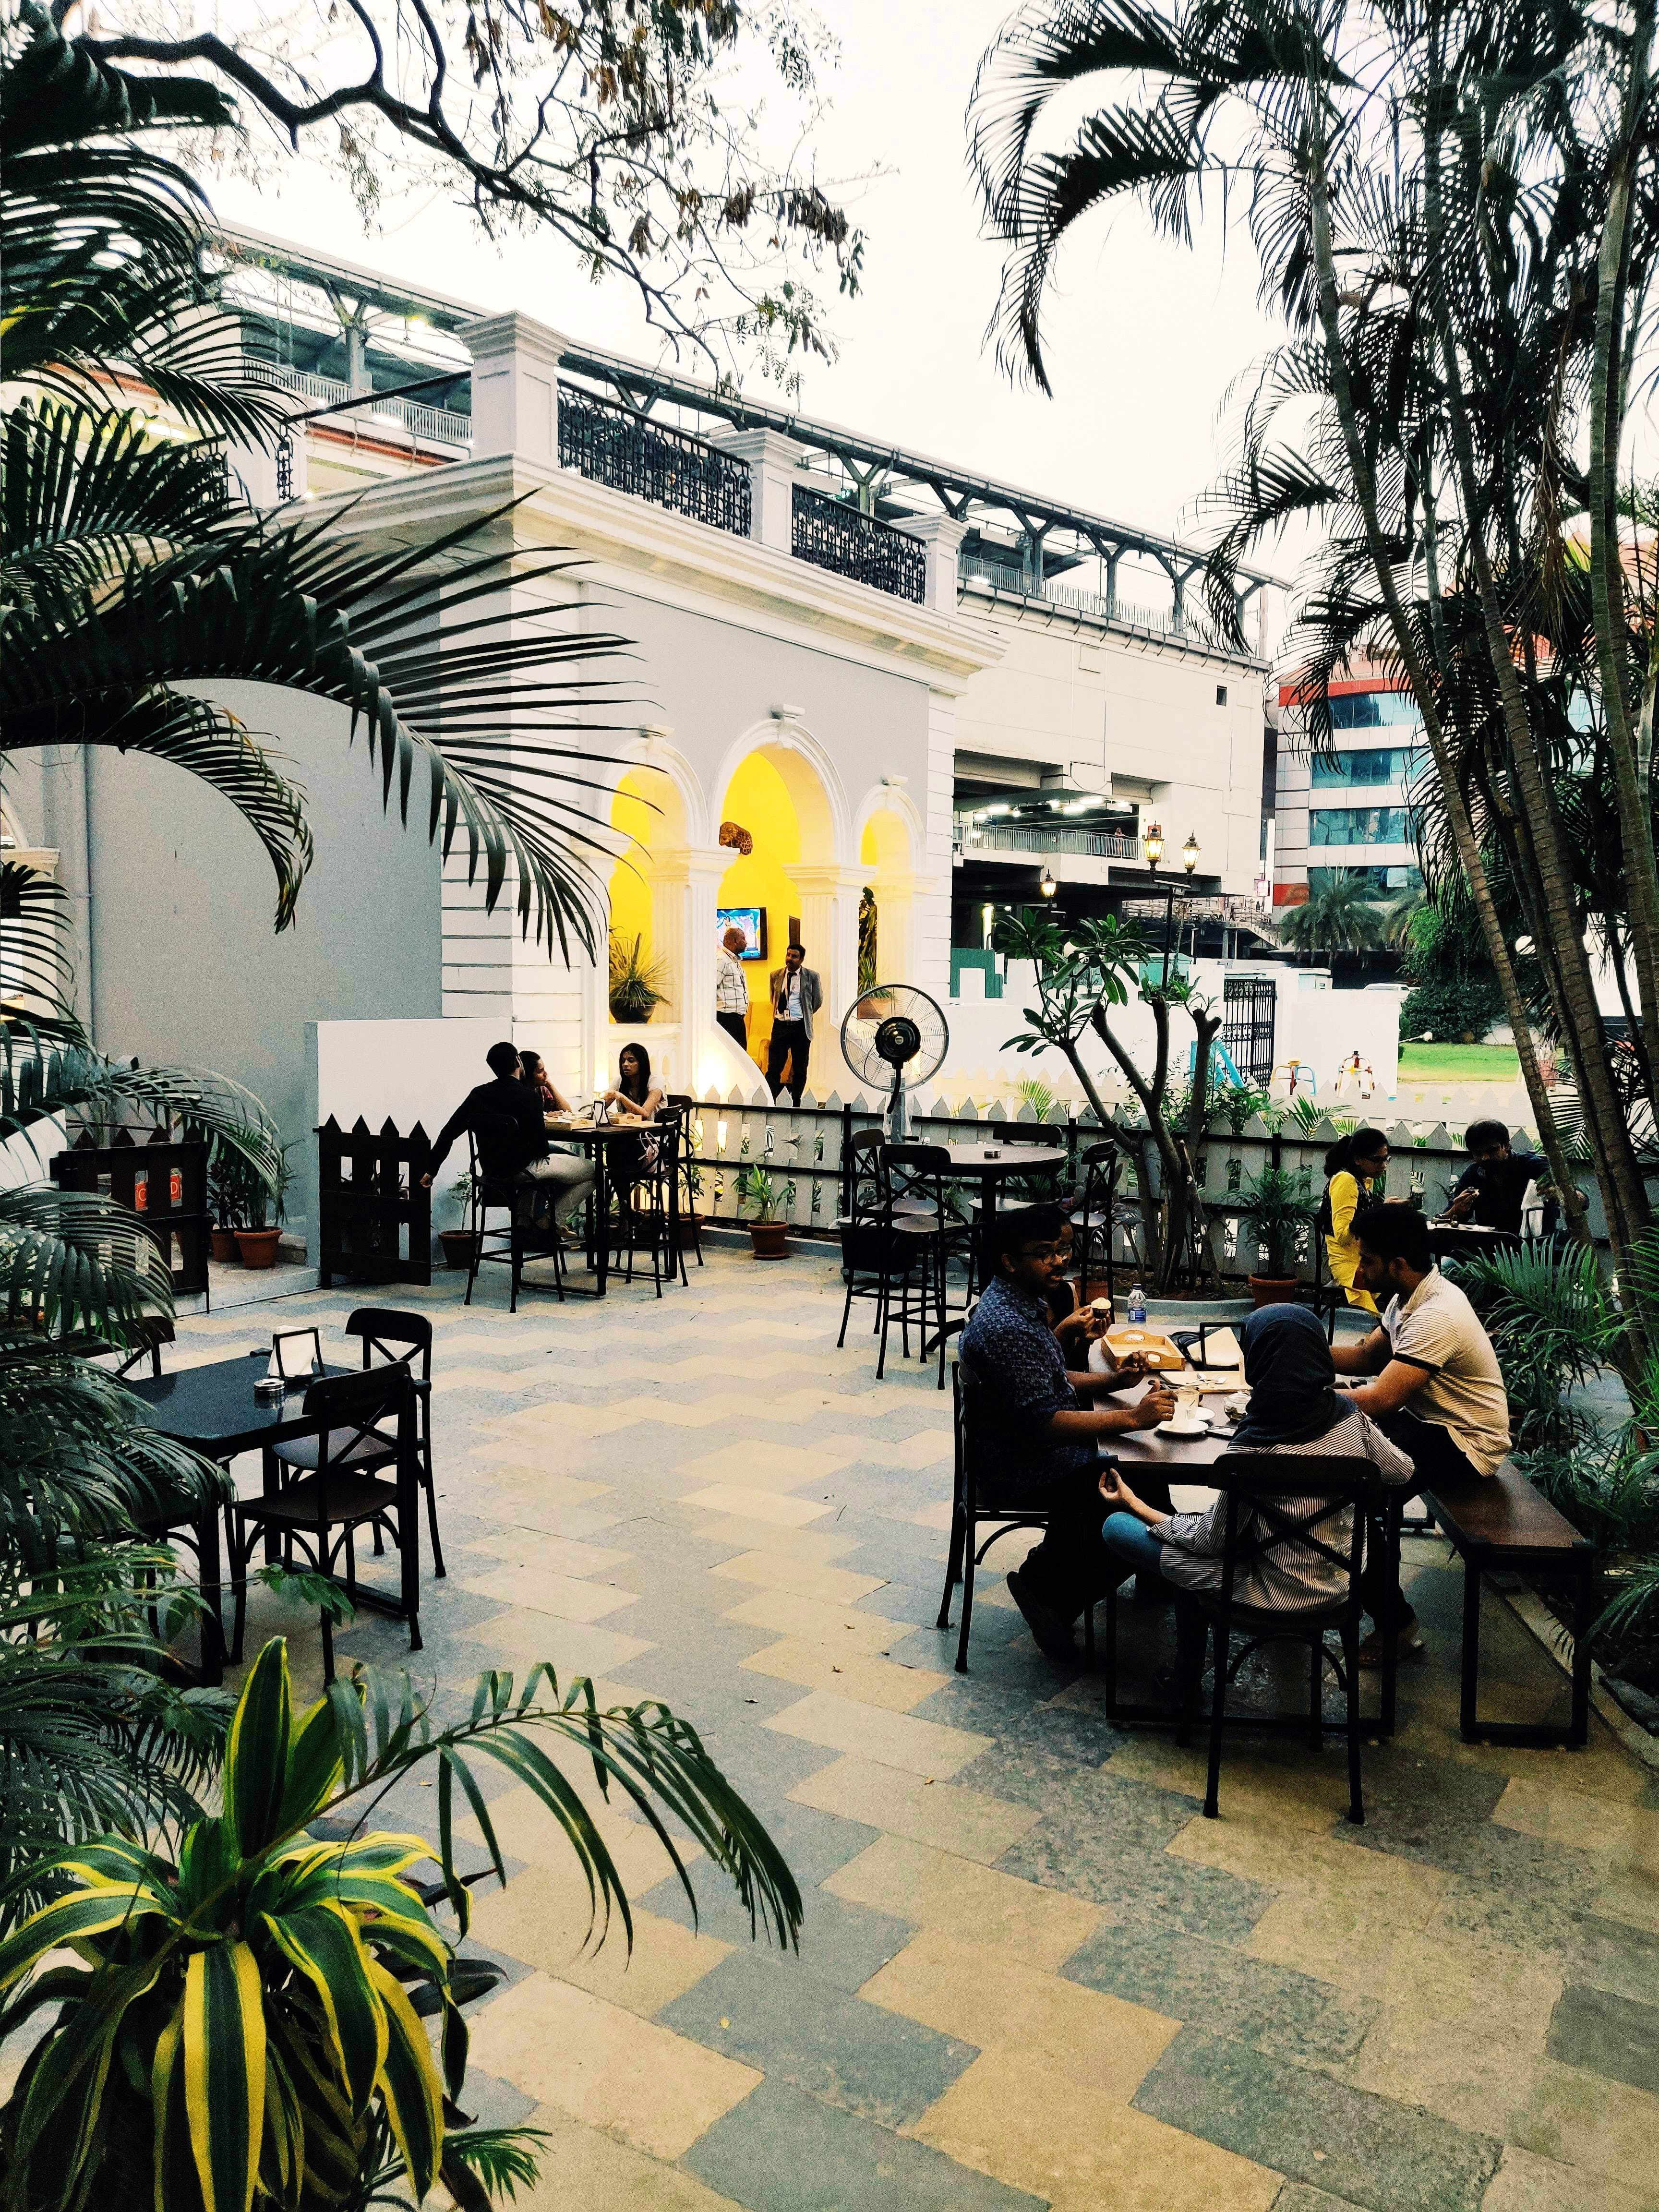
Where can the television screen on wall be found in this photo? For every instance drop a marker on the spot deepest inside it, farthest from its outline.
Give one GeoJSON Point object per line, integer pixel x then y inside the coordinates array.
{"type": "Point", "coordinates": [751, 921]}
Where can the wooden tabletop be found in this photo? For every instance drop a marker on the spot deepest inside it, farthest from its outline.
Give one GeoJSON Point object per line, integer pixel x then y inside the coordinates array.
{"type": "Point", "coordinates": [1156, 1447]}
{"type": "Point", "coordinates": [559, 1124]}
{"type": "Point", "coordinates": [1006, 1159]}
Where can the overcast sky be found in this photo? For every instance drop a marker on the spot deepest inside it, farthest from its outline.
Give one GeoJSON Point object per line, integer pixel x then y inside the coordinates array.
{"type": "Point", "coordinates": [1145, 338]}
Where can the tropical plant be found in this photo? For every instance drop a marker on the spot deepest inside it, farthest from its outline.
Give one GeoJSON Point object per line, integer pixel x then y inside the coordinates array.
{"type": "Point", "coordinates": [756, 1189]}
{"type": "Point", "coordinates": [1081, 975]}
{"type": "Point", "coordinates": [246, 2021]}
{"type": "Point", "coordinates": [1238, 1103]}
{"type": "Point", "coordinates": [1339, 915]}
{"type": "Point", "coordinates": [1275, 1207]}
{"type": "Point", "coordinates": [1553, 1322]}
{"type": "Point", "coordinates": [1401, 912]}
{"type": "Point", "coordinates": [1452, 207]}
{"type": "Point", "coordinates": [636, 981]}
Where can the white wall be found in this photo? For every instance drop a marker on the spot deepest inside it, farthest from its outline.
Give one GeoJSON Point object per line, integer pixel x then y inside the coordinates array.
{"type": "Point", "coordinates": [403, 1072]}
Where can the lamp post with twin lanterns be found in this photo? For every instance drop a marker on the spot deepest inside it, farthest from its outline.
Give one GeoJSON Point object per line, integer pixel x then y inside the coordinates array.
{"type": "Point", "coordinates": [1152, 845]}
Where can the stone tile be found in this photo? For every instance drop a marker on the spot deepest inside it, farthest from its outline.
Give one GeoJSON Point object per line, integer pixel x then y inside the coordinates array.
{"type": "Point", "coordinates": [1133, 1880]}
{"type": "Point", "coordinates": [579, 2166]}
{"type": "Point", "coordinates": [1629, 1896]}
{"type": "Point", "coordinates": [799, 2029]}
{"type": "Point", "coordinates": [882, 1682]}
{"type": "Point", "coordinates": [841, 1942]}
{"type": "Point", "coordinates": [1345, 1913]}
{"type": "Point", "coordinates": [1083, 2149]}
{"type": "Point", "coordinates": [793, 1612]}
{"type": "Point", "coordinates": [1610, 1956]}
{"type": "Point", "coordinates": [1219, 1987]}
{"type": "Point", "coordinates": [735, 1498]}
{"type": "Point", "coordinates": [769, 1571]}
{"type": "Point", "coordinates": [1297, 2196]}
{"type": "Point", "coordinates": [1456, 1975]}
{"type": "Point", "coordinates": [1083, 1738]}
{"type": "Point", "coordinates": [1317, 2131]}
{"type": "Point", "coordinates": [993, 2001]}
{"type": "Point", "coordinates": [1625, 1830]}
{"type": "Point", "coordinates": [546, 1926]}
{"type": "Point", "coordinates": [1583, 2119]}
{"type": "Point", "coordinates": [1607, 2034]}
{"type": "Point", "coordinates": [652, 2090]}
{"type": "Point", "coordinates": [1285, 1783]}
{"type": "Point", "coordinates": [1526, 2183]}
{"type": "Point", "coordinates": [783, 2151]}
{"type": "Point", "coordinates": [959, 1898]}
{"type": "Point", "coordinates": [824, 1547]}
{"type": "Point", "coordinates": [522, 1638]}
{"type": "Point", "coordinates": [841, 1723]}
{"type": "Point", "coordinates": [1476, 2078]}
{"type": "Point", "coordinates": [965, 1821]}
{"type": "Point", "coordinates": [551, 1554]}
{"type": "Point", "coordinates": [529, 1832]}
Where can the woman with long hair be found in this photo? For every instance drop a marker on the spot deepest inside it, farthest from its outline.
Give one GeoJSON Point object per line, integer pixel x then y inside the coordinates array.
{"type": "Point", "coordinates": [1354, 1172]}
{"type": "Point", "coordinates": [635, 1099]}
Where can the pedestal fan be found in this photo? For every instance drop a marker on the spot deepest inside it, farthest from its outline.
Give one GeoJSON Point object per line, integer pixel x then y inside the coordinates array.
{"type": "Point", "coordinates": [898, 1034]}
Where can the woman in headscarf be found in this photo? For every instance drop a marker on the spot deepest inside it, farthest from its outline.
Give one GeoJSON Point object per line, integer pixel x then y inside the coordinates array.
{"type": "Point", "coordinates": [1354, 1169]}
{"type": "Point", "coordinates": [1295, 1409]}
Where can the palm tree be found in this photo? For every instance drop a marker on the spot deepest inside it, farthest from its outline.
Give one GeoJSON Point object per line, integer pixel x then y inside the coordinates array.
{"type": "Point", "coordinates": [1339, 915]}
{"type": "Point", "coordinates": [1401, 912]}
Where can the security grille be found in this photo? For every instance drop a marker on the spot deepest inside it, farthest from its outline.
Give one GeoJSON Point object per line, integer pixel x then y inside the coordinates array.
{"type": "Point", "coordinates": [1247, 1025]}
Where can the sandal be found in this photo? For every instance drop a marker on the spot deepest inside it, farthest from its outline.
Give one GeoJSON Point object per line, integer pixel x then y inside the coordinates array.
{"type": "Point", "coordinates": [1408, 1646]}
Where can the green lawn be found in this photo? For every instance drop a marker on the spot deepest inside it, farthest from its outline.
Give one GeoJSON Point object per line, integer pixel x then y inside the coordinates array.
{"type": "Point", "coordinates": [1459, 1063]}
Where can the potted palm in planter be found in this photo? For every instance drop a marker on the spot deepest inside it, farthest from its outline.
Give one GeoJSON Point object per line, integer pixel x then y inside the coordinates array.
{"type": "Point", "coordinates": [232, 1182]}
{"type": "Point", "coordinates": [1274, 1205]}
{"type": "Point", "coordinates": [460, 1244]}
{"type": "Point", "coordinates": [636, 982]}
{"type": "Point", "coordinates": [768, 1235]}
{"type": "Point", "coordinates": [258, 1237]}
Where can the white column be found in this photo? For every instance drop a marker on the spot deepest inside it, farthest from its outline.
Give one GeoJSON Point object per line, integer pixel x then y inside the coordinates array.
{"type": "Point", "coordinates": [685, 882]}
{"type": "Point", "coordinates": [515, 386]}
{"type": "Point", "coordinates": [897, 954]}
{"type": "Point", "coordinates": [942, 535]}
{"type": "Point", "coordinates": [774, 464]}
{"type": "Point", "coordinates": [829, 930]}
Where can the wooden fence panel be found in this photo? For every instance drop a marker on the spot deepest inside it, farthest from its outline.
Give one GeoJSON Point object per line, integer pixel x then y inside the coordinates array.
{"type": "Point", "coordinates": [374, 1214]}
{"type": "Point", "coordinates": [163, 1181]}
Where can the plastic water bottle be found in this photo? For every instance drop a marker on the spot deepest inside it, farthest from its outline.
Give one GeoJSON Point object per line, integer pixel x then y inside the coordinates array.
{"type": "Point", "coordinates": [1137, 1306]}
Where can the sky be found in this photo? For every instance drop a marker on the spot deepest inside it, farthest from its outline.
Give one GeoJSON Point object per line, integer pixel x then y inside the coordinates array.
{"type": "Point", "coordinates": [1145, 337]}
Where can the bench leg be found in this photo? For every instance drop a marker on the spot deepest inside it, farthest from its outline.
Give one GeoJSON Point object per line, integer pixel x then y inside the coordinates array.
{"type": "Point", "coordinates": [1583, 1613]}
{"type": "Point", "coordinates": [1471, 1651]}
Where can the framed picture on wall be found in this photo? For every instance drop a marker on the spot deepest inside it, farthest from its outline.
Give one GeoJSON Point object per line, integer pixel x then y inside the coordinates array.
{"type": "Point", "coordinates": [751, 921]}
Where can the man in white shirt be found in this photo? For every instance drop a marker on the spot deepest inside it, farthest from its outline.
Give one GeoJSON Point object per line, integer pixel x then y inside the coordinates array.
{"type": "Point", "coordinates": [797, 995]}
{"type": "Point", "coordinates": [1437, 1390]}
{"type": "Point", "coordinates": [731, 988]}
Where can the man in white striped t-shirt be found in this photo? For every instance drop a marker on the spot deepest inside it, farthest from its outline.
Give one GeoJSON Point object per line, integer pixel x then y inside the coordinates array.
{"type": "Point", "coordinates": [731, 988]}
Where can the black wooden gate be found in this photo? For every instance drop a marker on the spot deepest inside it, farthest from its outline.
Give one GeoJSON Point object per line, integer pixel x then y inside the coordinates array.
{"type": "Point", "coordinates": [375, 1215]}
{"type": "Point", "coordinates": [163, 1181]}
{"type": "Point", "coordinates": [1247, 1025]}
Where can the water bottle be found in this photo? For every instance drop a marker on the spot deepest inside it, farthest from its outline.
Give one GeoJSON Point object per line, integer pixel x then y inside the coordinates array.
{"type": "Point", "coordinates": [1137, 1306]}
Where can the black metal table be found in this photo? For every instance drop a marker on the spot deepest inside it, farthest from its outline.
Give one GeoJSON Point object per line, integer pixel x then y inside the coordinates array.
{"type": "Point", "coordinates": [600, 1141]}
{"type": "Point", "coordinates": [214, 1410]}
{"type": "Point", "coordinates": [989, 1165]}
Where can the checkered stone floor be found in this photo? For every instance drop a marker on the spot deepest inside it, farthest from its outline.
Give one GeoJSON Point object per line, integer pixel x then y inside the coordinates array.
{"type": "Point", "coordinates": [1030, 1973]}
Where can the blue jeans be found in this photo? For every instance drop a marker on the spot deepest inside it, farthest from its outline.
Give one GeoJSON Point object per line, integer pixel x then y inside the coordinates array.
{"type": "Point", "coordinates": [1129, 1537]}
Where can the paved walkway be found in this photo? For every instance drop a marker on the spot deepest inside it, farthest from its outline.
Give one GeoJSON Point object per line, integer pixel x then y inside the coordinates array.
{"type": "Point", "coordinates": [1030, 1973]}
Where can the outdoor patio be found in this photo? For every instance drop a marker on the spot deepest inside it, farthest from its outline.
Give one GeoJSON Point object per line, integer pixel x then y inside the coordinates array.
{"type": "Point", "coordinates": [1030, 1973]}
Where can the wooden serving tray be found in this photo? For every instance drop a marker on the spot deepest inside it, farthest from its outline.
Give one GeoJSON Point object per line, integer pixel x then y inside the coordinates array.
{"type": "Point", "coordinates": [1156, 1349]}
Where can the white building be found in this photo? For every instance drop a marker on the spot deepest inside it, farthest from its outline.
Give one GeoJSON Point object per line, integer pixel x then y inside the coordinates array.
{"type": "Point", "coordinates": [846, 658]}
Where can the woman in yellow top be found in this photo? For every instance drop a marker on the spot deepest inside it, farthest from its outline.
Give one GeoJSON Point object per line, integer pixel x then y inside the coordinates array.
{"type": "Point", "coordinates": [1354, 1172]}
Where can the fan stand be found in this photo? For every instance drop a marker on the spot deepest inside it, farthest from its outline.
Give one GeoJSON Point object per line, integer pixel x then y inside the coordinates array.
{"type": "Point", "coordinates": [898, 1120]}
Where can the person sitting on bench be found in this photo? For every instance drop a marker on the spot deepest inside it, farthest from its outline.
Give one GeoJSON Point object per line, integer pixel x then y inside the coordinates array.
{"type": "Point", "coordinates": [1042, 1431]}
{"type": "Point", "coordinates": [1435, 1386]}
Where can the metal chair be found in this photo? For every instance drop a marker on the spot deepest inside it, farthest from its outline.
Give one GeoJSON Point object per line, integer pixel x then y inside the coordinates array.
{"type": "Point", "coordinates": [363, 1421]}
{"type": "Point", "coordinates": [686, 1107]}
{"type": "Point", "coordinates": [519, 1241]}
{"type": "Point", "coordinates": [645, 1207]}
{"type": "Point", "coordinates": [1275, 1502]}
{"type": "Point", "coordinates": [968, 1508]}
{"type": "Point", "coordinates": [1094, 1216]}
{"type": "Point", "coordinates": [922, 1174]}
{"type": "Point", "coordinates": [392, 1336]}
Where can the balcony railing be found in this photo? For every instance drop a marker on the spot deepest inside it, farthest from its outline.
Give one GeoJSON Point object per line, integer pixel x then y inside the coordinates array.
{"type": "Point", "coordinates": [610, 445]}
{"type": "Point", "coordinates": [438, 426]}
{"type": "Point", "coordinates": [832, 535]}
{"type": "Point", "coordinates": [1092, 844]}
{"type": "Point", "coordinates": [1161, 621]}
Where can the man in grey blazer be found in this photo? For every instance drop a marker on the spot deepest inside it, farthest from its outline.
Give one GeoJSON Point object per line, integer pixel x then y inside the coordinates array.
{"type": "Point", "coordinates": [797, 994]}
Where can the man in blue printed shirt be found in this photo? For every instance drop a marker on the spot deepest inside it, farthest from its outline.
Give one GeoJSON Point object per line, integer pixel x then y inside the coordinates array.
{"type": "Point", "coordinates": [1038, 1432]}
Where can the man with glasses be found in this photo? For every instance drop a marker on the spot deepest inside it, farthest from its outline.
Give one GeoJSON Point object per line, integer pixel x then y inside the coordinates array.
{"type": "Point", "coordinates": [1038, 1439]}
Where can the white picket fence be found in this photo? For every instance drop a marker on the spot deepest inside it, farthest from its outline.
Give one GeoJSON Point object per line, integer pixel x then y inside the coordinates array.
{"type": "Point", "coordinates": [801, 1151]}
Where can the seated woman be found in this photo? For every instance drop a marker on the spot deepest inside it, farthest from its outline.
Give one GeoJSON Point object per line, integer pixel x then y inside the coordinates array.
{"type": "Point", "coordinates": [1354, 1169]}
{"type": "Point", "coordinates": [573, 1173]}
{"type": "Point", "coordinates": [635, 1099]}
{"type": "Point", "coordinates": [1295, 1409]}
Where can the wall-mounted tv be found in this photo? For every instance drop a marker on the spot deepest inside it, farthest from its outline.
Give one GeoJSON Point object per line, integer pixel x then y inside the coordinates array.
{"type": "Point", "coordinates": [751, 921]}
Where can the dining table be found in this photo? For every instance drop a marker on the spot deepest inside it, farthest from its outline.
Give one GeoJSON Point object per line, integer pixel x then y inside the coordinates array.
{"type": "Point", "coordinates": [600, 1139]}
{"type": "Point", "coordinates": [1173, 1456]}
{"type": "Point", "coordinates": [212, 1408]}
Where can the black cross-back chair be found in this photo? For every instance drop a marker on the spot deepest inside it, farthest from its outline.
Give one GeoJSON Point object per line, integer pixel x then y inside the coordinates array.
{"type": "Point", "coordinates": [360, 1418]}
{"type": "Point", "coordinates": [519, 1240]}
{"type": "Point", "coordinates": [389, 1334]}
{"type": "Point", "coordinates": [973, 1501]}
{"type": "Point", "coordinates": [920, 1176]}
{"type": "Point", "coordinates": [1275, 1502]}
{"type": "Point", "coordinates": [867, 1254]}
{"type": "Point", "coordinates": [685, 1106]}
{"type": "Point", "coordinates": [645, 1220]}
{"type": "Point", "coordinates": [1094, 1215]}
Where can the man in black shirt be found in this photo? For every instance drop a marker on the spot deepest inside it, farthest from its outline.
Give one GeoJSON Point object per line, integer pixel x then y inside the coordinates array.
{"type": "Point", "coordinates": [509, 1134]}
{"type": "Point", "coordinates": [1493, 1189]}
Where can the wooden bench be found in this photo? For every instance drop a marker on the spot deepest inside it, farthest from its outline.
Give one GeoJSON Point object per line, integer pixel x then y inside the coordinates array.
{"type": "Point", "coordinates": [1502, 1521]}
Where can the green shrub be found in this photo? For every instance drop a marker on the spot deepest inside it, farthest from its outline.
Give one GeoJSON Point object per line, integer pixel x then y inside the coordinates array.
{"type": "Point", "coordinates": [1453, 1009]}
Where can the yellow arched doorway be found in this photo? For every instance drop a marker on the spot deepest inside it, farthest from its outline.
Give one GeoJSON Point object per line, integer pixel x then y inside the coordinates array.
{"type": "Point", "coordinates": [757, 802]}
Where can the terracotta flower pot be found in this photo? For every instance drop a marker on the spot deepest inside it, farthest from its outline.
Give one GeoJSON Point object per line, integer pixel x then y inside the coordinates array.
{"type": "Point", "coordinates": [769, 1239]}
{"type": "Point", "coordinates": [689, 1223]}
{"type": "Point", "coordinates": [457, 1245]}
{"type": "Point", "coordinates": [258, 1246]}
{"type": "Point", "coordinates": [224, 1247]}
{"type": "Point", "coordinates": [1272, 1290]}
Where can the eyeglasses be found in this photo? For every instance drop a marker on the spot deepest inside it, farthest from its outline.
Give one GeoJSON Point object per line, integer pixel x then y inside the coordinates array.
{"type": "Point", "coordinates": [1039, 1251]}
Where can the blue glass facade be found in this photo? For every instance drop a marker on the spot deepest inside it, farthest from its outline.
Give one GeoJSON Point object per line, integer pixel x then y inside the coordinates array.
{"type": "Point", "coordinates": [1359, 825]}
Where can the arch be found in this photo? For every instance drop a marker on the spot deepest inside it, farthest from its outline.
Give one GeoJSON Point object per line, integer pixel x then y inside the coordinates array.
{"type": "Point", "coordinates": [889, 831]}
{"type": "Point", "coordinates": [808, 775]}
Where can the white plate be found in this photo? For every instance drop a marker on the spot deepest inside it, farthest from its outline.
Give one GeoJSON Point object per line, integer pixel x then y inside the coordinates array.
{"type": "Point", "coordinates": [1182, 1431]}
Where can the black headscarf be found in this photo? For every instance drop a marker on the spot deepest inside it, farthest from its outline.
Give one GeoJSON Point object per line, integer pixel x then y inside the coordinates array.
{"type": "Point", "coordinates": [1292, 1379]}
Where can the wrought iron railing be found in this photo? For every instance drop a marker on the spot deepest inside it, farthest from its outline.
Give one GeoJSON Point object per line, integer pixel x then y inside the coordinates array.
{"type": "Point", "coordinates": [970, 836]}
{"type": "Point", "coordinates": [612, 444]}
{"type": "Point", "coordinates": [832, 535]}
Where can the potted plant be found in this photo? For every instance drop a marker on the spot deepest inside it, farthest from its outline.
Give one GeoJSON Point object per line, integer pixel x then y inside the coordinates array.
{"type": "Point", "coordinates": [229, 1175]}
{"type": "Point", "coordinates": [766, 1235]}
{"type": "Point", "coordinates": [460, 1244]}
{"type": "Point", "coordinates": [635, 982]}
{"type": "Point", "coordinates": [1274, 1206]}
{"type": "Point", "coordinates": [258, 1237]}
{"type": "Point", "coordinates": [690, 1220]}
